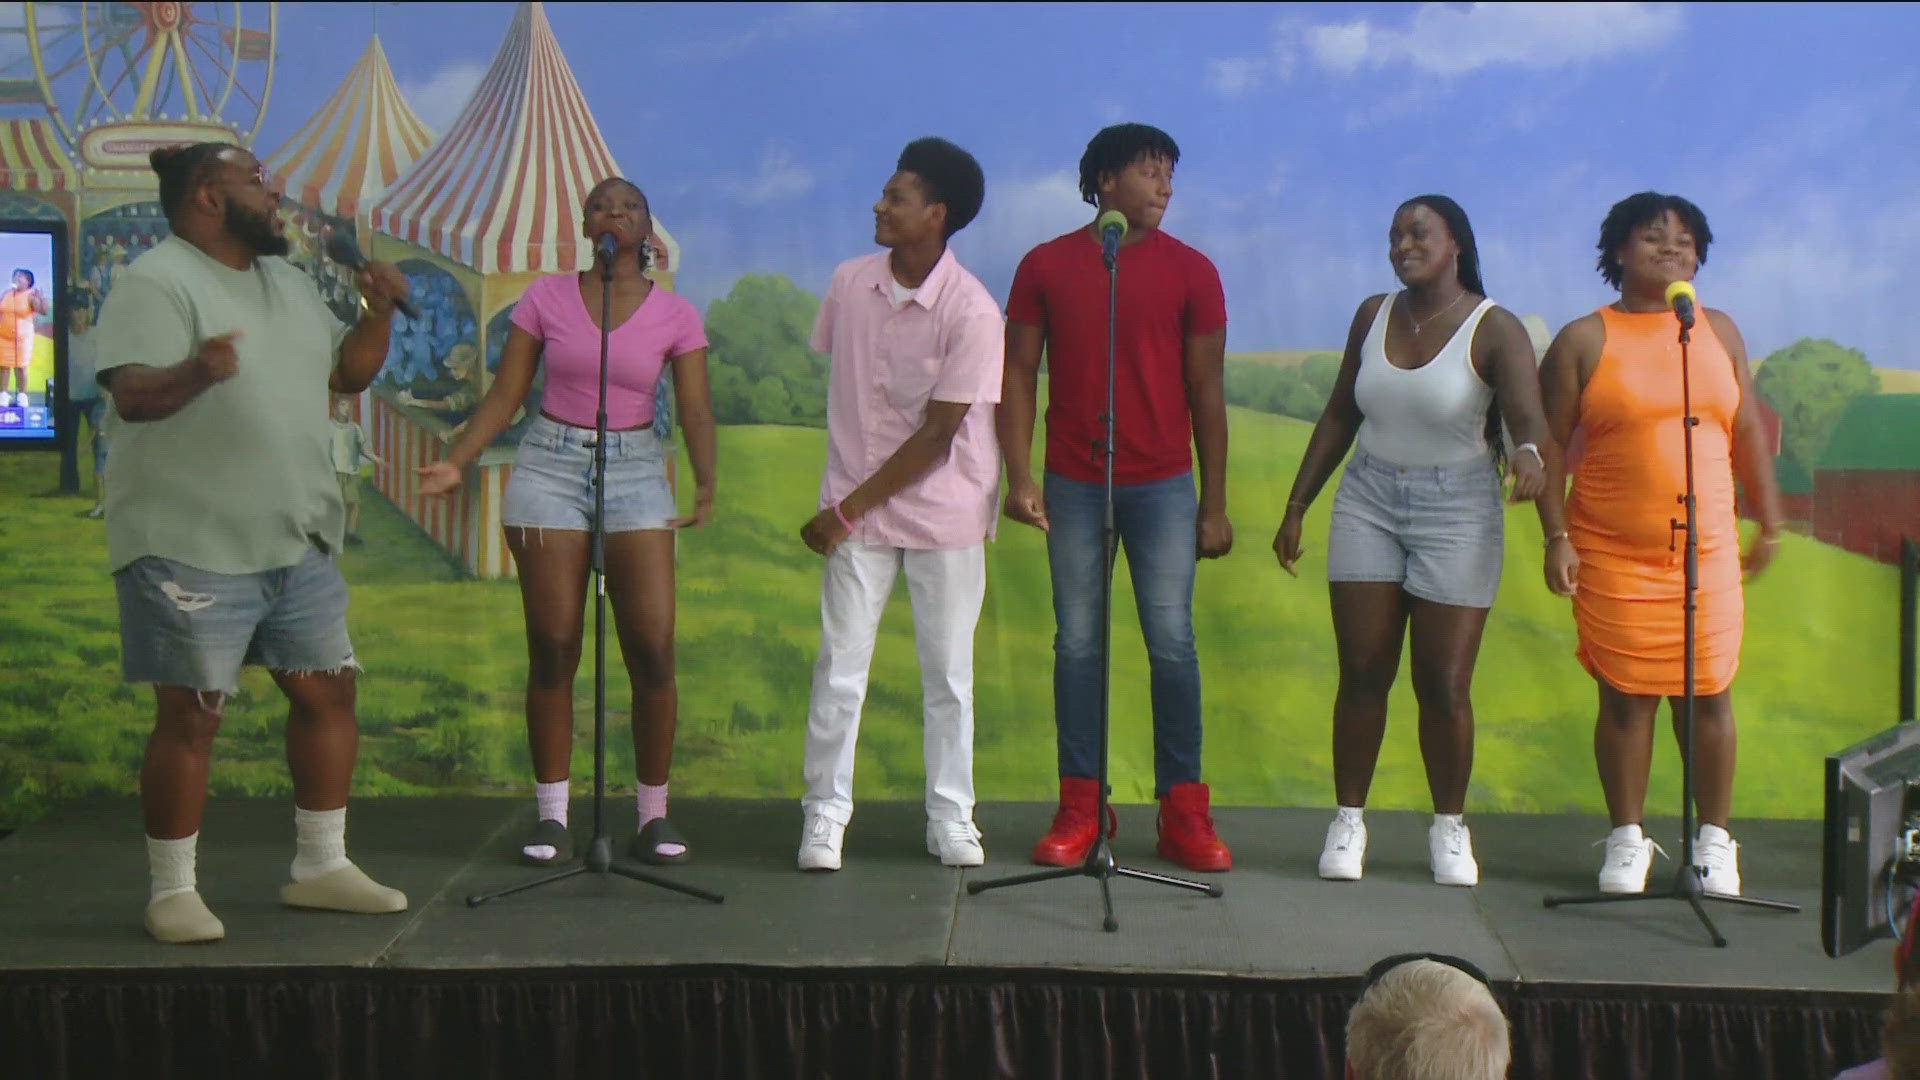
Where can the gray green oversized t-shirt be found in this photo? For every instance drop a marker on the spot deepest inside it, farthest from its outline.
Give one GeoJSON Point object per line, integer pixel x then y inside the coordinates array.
{"type": "Point", "coordinates": [241, 479]}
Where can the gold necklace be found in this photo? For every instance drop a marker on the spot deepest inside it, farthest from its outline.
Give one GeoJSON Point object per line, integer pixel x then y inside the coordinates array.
{"type": "Point", "coordinates": [1428, 321]}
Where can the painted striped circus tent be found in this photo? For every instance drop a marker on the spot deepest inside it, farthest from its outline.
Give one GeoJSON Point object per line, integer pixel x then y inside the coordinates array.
{"type": "Point", "coordinates": [37, 178]}
{"type": "Point", "coordinates": [492, 205]}
{"type": "Point", "coordinates": [354, 147]}
{"type": "Point", "coordinates": [331, 171]}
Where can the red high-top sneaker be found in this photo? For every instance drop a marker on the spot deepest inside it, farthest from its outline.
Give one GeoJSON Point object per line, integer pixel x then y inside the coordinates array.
{"type": "Point", "coordinates": [1075, 824]}
{"type": "Point", "coordinates": [1186, 830]}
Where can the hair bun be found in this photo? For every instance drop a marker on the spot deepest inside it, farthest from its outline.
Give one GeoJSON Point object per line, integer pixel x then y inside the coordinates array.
{"type": "Point", "coordinates": [164, 157]}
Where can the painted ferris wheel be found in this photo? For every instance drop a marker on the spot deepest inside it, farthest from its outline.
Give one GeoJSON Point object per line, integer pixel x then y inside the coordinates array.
{"type": "Point", "coordinates": [117, 79]}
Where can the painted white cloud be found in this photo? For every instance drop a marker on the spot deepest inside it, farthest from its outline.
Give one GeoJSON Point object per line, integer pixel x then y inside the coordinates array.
{"type": "Point", "coordinates": [1445, 39]}
{"type": "Point", "coordinates": [1235, 76]}
{"type": "Point", "coordinates": [785, 22]}
{"type": "Point", "coordinates": [1036, 203]}
{"type": "Point", "coordinates": [1455, 39]}
{"type": "Point", "coordinates": [780, 177]}
{"type": "Point", "coordinates": [439, 99]}
{"type": "Point", "coordinates": [1019, 213]}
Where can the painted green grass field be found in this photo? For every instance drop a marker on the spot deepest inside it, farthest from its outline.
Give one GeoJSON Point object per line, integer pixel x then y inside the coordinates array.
{"type": "Point", "coordinates": [440, 697]}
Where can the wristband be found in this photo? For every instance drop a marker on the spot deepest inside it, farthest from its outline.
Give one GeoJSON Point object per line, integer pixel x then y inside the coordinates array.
{"type": "Point", "coordinates": [1532, 449]}
{"type": "Point", "coordinates": [844, 523]}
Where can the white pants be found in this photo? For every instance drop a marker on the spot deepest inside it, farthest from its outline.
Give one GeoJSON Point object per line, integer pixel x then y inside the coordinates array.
{"type": "Point", "coordinates": [946, 589]}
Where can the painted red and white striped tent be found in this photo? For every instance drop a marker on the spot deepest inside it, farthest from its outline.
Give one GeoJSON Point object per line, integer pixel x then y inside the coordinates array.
{"type": "Point", "coordinates": [501, 191]}
{"type": "Point", "coordinates": [32, 159]}
{"type": "Point", "coordinates": [358, 144]}
{"type": "Point", "coordinates": [499, 196]}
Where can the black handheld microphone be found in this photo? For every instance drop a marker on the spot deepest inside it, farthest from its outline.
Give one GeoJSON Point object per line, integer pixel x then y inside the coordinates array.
{"type": "Point", "coordinates": [342, 249]}
{"type": "Point", "coordinates": [1680, 298]}
{"type": "Point", "coordinates": [1113, 227]}
{"type": "Point", "coordinates": [603, 248]}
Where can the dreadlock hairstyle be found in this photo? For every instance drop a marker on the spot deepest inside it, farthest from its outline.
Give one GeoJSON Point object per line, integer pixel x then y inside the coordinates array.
{"type": "Point", "coordinates": [1468, 271]}
{"type": "Point", "coordinates": [1636, 211]}
{"type": "Point", "coordinates": [1114, 148]}
{"type": "Point", "coordinates": [181, 169]}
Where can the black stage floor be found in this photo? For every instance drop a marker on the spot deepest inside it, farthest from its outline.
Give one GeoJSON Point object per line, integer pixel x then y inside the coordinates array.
{"type": "Point", "coordinates": [74, 884]}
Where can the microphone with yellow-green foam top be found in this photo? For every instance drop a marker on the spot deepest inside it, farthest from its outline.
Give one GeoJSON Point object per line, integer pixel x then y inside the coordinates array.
{"type": "Point", "coordinates": [1680, 298]}
{"type": "Point", "coordinates": [1112, 227]}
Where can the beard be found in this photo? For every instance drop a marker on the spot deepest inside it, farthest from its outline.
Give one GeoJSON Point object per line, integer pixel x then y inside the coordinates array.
{"type": "Point", "coordinates": [255, 230]}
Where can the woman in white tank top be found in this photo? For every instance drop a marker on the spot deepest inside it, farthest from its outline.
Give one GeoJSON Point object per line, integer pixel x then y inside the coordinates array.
{"type": "Point", "coordinates": [1416, 537]}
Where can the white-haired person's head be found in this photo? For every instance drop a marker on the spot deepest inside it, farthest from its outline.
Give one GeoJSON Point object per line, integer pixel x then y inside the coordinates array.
{"type": "Point", "coordinates": [1423, 1016]}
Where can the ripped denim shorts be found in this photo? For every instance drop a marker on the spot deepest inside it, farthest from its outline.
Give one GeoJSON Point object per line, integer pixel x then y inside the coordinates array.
{"type": "Point", "coordinates": [180, 626]}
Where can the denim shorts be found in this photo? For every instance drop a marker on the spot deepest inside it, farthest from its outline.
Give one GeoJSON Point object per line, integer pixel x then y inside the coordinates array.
{"type": "Point", "coordinates": [552, 482]}
{"type": "Point", "coordinates": [1437, 530]}
{"type": "Point", "coordinates": [180, 626]}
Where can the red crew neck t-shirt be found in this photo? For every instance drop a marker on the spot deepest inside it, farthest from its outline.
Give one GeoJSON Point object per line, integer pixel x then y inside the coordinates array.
{"type": "Point", "coordinates": [1168, 292]}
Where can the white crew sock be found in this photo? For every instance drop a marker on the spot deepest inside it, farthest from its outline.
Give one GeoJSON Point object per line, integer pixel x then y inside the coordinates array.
{"type": "Point", "coordinates": [1627, 833]}
{"type": "Point", "coordinates": [1713, 832]}
{"type": "Point", "coordinates": [320, 843]}
{"type": "Point", "coordinates": [1449, 819]}
{"type": "Point", "coordinates": [551, 799]}
{"type": "Point", "coordinates": [170, 865]}
{"type": "Point", "coordinates": [650, 800]}
{"type": "Point", "coordinates": [1350, 814]}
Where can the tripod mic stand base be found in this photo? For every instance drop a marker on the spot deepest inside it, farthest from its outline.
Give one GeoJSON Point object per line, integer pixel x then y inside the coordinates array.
{"type": "Point", "coordinates": [1688, 885]}
{"type": "Point", "coordinates": [1100, 866]}
{"type": "Point", "coordinates": [598, 860]}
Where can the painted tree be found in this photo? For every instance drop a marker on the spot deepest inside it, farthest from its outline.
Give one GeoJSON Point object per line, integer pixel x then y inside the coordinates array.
{"type": "Point", "coordinates": [1809, 383]}
{"type": "Point", "coordinates": [761, 368]}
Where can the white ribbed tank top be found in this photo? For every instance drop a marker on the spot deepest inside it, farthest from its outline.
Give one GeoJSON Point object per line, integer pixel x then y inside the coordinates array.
{"type": "Point", "coordinates": [1435, 414]}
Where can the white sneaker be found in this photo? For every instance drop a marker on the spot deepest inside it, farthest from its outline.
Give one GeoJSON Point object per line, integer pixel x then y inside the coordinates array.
{"type": "Point", "coordinates": [1628, 860]}
{"type": "Point", "coordinates": [1718, 858]}
{"type": "Point", "coordinates": [1346, 850]}
{"type": "Point", "coordinates": [956, 842]}
{"type": "Point", "coordinates": [820, 843]}
{"type": "Point", "coordinates": [1450, 852]}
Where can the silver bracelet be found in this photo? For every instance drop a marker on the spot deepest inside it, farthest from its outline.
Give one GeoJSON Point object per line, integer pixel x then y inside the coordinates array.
{"type": "Point", "coordinates": [1532, 449]}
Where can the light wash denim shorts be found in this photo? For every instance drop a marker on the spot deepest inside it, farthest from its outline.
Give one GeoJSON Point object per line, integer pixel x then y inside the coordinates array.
{"type": "Point", "coordinates": [552, 482]}
{"type": "Point", "coordinates": [180, 626]}
{"type": "Point", "coordinates": [1437, 530]}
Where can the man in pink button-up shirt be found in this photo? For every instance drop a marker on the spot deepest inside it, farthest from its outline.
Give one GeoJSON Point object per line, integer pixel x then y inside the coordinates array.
{"type": "Point", "coordinates": [912, 480]}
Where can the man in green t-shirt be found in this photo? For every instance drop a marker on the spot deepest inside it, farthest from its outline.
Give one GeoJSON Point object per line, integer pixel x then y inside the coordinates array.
{"type": "Point", "coordinates": [224, 515]}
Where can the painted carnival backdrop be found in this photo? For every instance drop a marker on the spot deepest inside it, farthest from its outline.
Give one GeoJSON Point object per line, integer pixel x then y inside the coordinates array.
{"type": "Point", "coordinates": [458, 142]}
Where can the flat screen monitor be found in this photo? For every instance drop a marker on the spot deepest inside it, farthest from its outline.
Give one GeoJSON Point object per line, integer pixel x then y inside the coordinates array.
{"type": "Point", "coordinates": [1869, 806]}
{"type": "Point", "coordinates": [33, 334]}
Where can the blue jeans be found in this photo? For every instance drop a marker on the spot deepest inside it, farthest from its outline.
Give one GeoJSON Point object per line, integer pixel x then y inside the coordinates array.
{"type": "Point", "coordinates": [1155, 522]}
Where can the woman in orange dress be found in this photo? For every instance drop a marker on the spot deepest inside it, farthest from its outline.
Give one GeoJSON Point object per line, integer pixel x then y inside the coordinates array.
{"type": "Point", "coordinates": [18, 305]}
{"type": "Point", "coordinates": [1615, 374]}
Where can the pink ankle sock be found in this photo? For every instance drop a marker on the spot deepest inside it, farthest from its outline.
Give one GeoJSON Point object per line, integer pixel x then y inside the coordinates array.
{"type": "Point", "coordinates": [651, 801]}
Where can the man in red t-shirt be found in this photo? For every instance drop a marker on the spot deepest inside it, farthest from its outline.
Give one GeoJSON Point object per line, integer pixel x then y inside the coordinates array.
{"type": "Point", "coordinates": [1169, 348]}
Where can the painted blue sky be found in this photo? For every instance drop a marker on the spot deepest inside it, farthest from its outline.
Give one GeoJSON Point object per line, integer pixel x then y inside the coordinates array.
{"type": "Point", "coordinates": [763, 132]}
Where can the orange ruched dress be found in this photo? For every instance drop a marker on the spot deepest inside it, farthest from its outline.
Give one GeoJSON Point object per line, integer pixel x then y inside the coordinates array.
{"type": "Point", "coordinates": [16, 329]}
{"type": "Point", "coordinates": [1626, 495]}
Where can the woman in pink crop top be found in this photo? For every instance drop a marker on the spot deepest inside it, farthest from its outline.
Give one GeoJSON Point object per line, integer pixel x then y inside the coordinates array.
{"type": "Point", "coordinates": [549, 504]}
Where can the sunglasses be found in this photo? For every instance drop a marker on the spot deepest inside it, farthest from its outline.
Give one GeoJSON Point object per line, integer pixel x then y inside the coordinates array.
{"type": "Point", "coordinates": [1376, 971]}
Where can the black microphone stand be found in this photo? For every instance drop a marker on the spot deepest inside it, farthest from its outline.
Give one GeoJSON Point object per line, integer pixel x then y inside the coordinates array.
{"type": "Point", "coordinates": [599, 855]}
{"type": "Point", "coordinates": [1689, 881]}
{"type": "Point", "coordinates": [1100, 864]}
